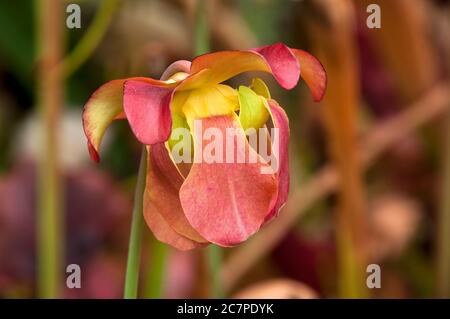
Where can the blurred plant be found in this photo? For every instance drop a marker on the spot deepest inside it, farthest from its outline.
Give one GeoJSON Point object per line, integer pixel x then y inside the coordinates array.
{"type": "Point", "coordinates": [336, 47]}
{"type": "Point", "coordinates": [94, 241]}
{"type": "Point", "coordinates": [50, 97]}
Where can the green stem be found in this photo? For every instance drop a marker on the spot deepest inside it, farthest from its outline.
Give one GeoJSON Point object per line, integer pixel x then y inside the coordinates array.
{"type": "Point", "coordinates": [49, 94]}
{"type": "Point", "coordinates": [155, 278]}
{"type": "Point", "coordinates": [134, 248]}
{"type": "Point", "coordinates": [443, 240]}
{"type": "Point", "coordinates": [201, 38]}
{"type": "Point", "coordinates": [91, 38]}
{"type": "Point", "coordinates": [214, 256]}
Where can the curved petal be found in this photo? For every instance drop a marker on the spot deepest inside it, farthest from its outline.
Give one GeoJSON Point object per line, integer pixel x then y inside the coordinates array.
{"type": "Point", "coordinates": [104, 106]}
{"type": "Point", "coordinates": [178, 66]}
{"type": "Point", "coordinates": [101, 109]}
{"type": "Point", "coordinates": [147, 108]}
{"type": "Point", "coordinates": [276, 59]}
{"type": "Point", "coordinates": [164, 233]}
{"type": "Point", "coordinates": [227, 202]}
{"type": "Point", "coordinates": [162, 194]}
{"type": "Point", "coordinates": [313, 73]}
{"type": "Point", "coordinates": [280, 122]}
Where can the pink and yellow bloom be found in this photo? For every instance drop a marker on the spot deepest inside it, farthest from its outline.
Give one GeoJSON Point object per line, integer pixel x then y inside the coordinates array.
{"type": "Point", "coordinates": [188, 206]}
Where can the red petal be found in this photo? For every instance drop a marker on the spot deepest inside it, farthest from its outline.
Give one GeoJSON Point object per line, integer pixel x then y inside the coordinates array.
{"type": "Point", "coordinates": [147, 108]}
{"type": "Point", "coordinates": [280, 121]}
{"type": "Point", "coordinates": [313, 73]}
{"type": "Point", "coordinates": [276, 59]}
{"type": "Point", "coordinates": [227, 202]}
{"type": "Point", "coordinates": [106, 105]}
{"type": "Point", "coordinates": [162, 192]}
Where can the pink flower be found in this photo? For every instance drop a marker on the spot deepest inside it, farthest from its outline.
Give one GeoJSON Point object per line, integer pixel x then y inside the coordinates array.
{"type": "Point", "coordinates": [190, 205]}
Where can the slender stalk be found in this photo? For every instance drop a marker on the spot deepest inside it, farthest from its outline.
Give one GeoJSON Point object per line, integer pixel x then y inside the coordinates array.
{"type": "Point", "coordinates": [49, 95]}
{"type": "Point", "coordinates": [214, 255]}
{"type": "Point", "coordinates": [201, 36]}
{"type": "Point", "coordinates": [155, 277]}
{"type": "Point", "coordinates": [443, 240]}
{"type": "Point", "coordinates": [91, 38]}
{"type": "Point", "coordinates": [137, 222]}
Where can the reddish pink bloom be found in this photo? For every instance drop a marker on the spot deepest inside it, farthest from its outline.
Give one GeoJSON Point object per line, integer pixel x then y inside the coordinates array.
{"type": "Point", "coordinates": [190, 205]}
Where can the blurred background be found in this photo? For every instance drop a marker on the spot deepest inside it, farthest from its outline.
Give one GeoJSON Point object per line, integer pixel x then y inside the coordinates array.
{"type": "Point", "coordinates": [370, 164]}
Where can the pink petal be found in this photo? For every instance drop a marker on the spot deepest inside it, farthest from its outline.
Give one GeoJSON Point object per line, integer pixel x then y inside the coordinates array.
{"type": "Point", "coordinates": [227, 202]}
{"type": "Point", "coordinates": [280, 121]}
{"type": "Point", "coordinates": [147, 108]}
{"type": "Point", "coordinates": [106, 105]}
{"type": "Point", "coordinates": [313, 73]}
{"type": "Point", "coordinates": [283, 64]}
{"type": "Point", "coordinates": [162, 192]}
{"type": "Point", "coordinates": [276, 59]}
{"type": "Point", "coordinates": [164, 233]}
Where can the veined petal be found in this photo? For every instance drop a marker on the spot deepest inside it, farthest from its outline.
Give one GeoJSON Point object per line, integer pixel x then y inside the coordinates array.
{"type": "Point", "coordinates": [313, 73]}
{"type": "Point", "coordinates": [277, 59]}
{"type": "Point", "coordinates": [162, 194]}
{"type": "Point", "coordinates": [228, 202]}
{"type": "Point", "coordinates": [280, 122]}
{"type": "Point", "coordinates": [104, 106]}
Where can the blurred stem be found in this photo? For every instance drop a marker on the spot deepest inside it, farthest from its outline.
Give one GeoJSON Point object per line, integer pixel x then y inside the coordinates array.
{"type": "Point", "coordinates": [336, 48]}
{"type": "Point", "coordinates": [135, 243]}
{"type": "Point", "coordinates": [443, 240]}
{"type": "Point", "coordinates": [91, 38]}
{"type": "Point", "coordinates": [214, 255]}
{"type": "Point", "coordinates": [49, 94]}
{"type": "Point", "coordinates": [202, 45]}
{"type": "Point", "coordinates": [201, 37]}
{"type": "Point", "coordinates": [155, 277]}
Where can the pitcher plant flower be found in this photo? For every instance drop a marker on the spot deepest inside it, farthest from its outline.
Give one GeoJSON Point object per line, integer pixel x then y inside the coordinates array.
{"type": "Point", "coordinates": [193, 203]}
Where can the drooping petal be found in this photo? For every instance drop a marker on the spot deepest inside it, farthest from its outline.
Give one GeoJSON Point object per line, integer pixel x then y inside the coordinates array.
{"type": "Point", "coordinates": [162, 192]}
{"type": "Point", "coordinates": [276, 59]}
{"type": "Point", "coordinates": [104, 106]}
{"type": "Point", "coordinates": [281, 123]}
{"type": "Point", "coordinates": [313, 73]}
{"type": "Point", "coordinates": [227, 202]}
{"type": "Point", "coordinates": [147, 108]}
{"type": "Point", "coordinates": [100, 110]}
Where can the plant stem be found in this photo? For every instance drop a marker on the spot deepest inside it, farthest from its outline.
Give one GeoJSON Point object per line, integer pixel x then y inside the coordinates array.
{"type": "Point", "coordinates": [91, 38]}
{"type": "Point", "coordinates": [155, 277]}
{"type": "Point", "coordinates": [137, 222]}
{"type": "Point", "coordinates": [214, 256]}
{"type": "Point", "coordinates": [201, 38]}
{"type": "Point", "coordinates": [49, 95]}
